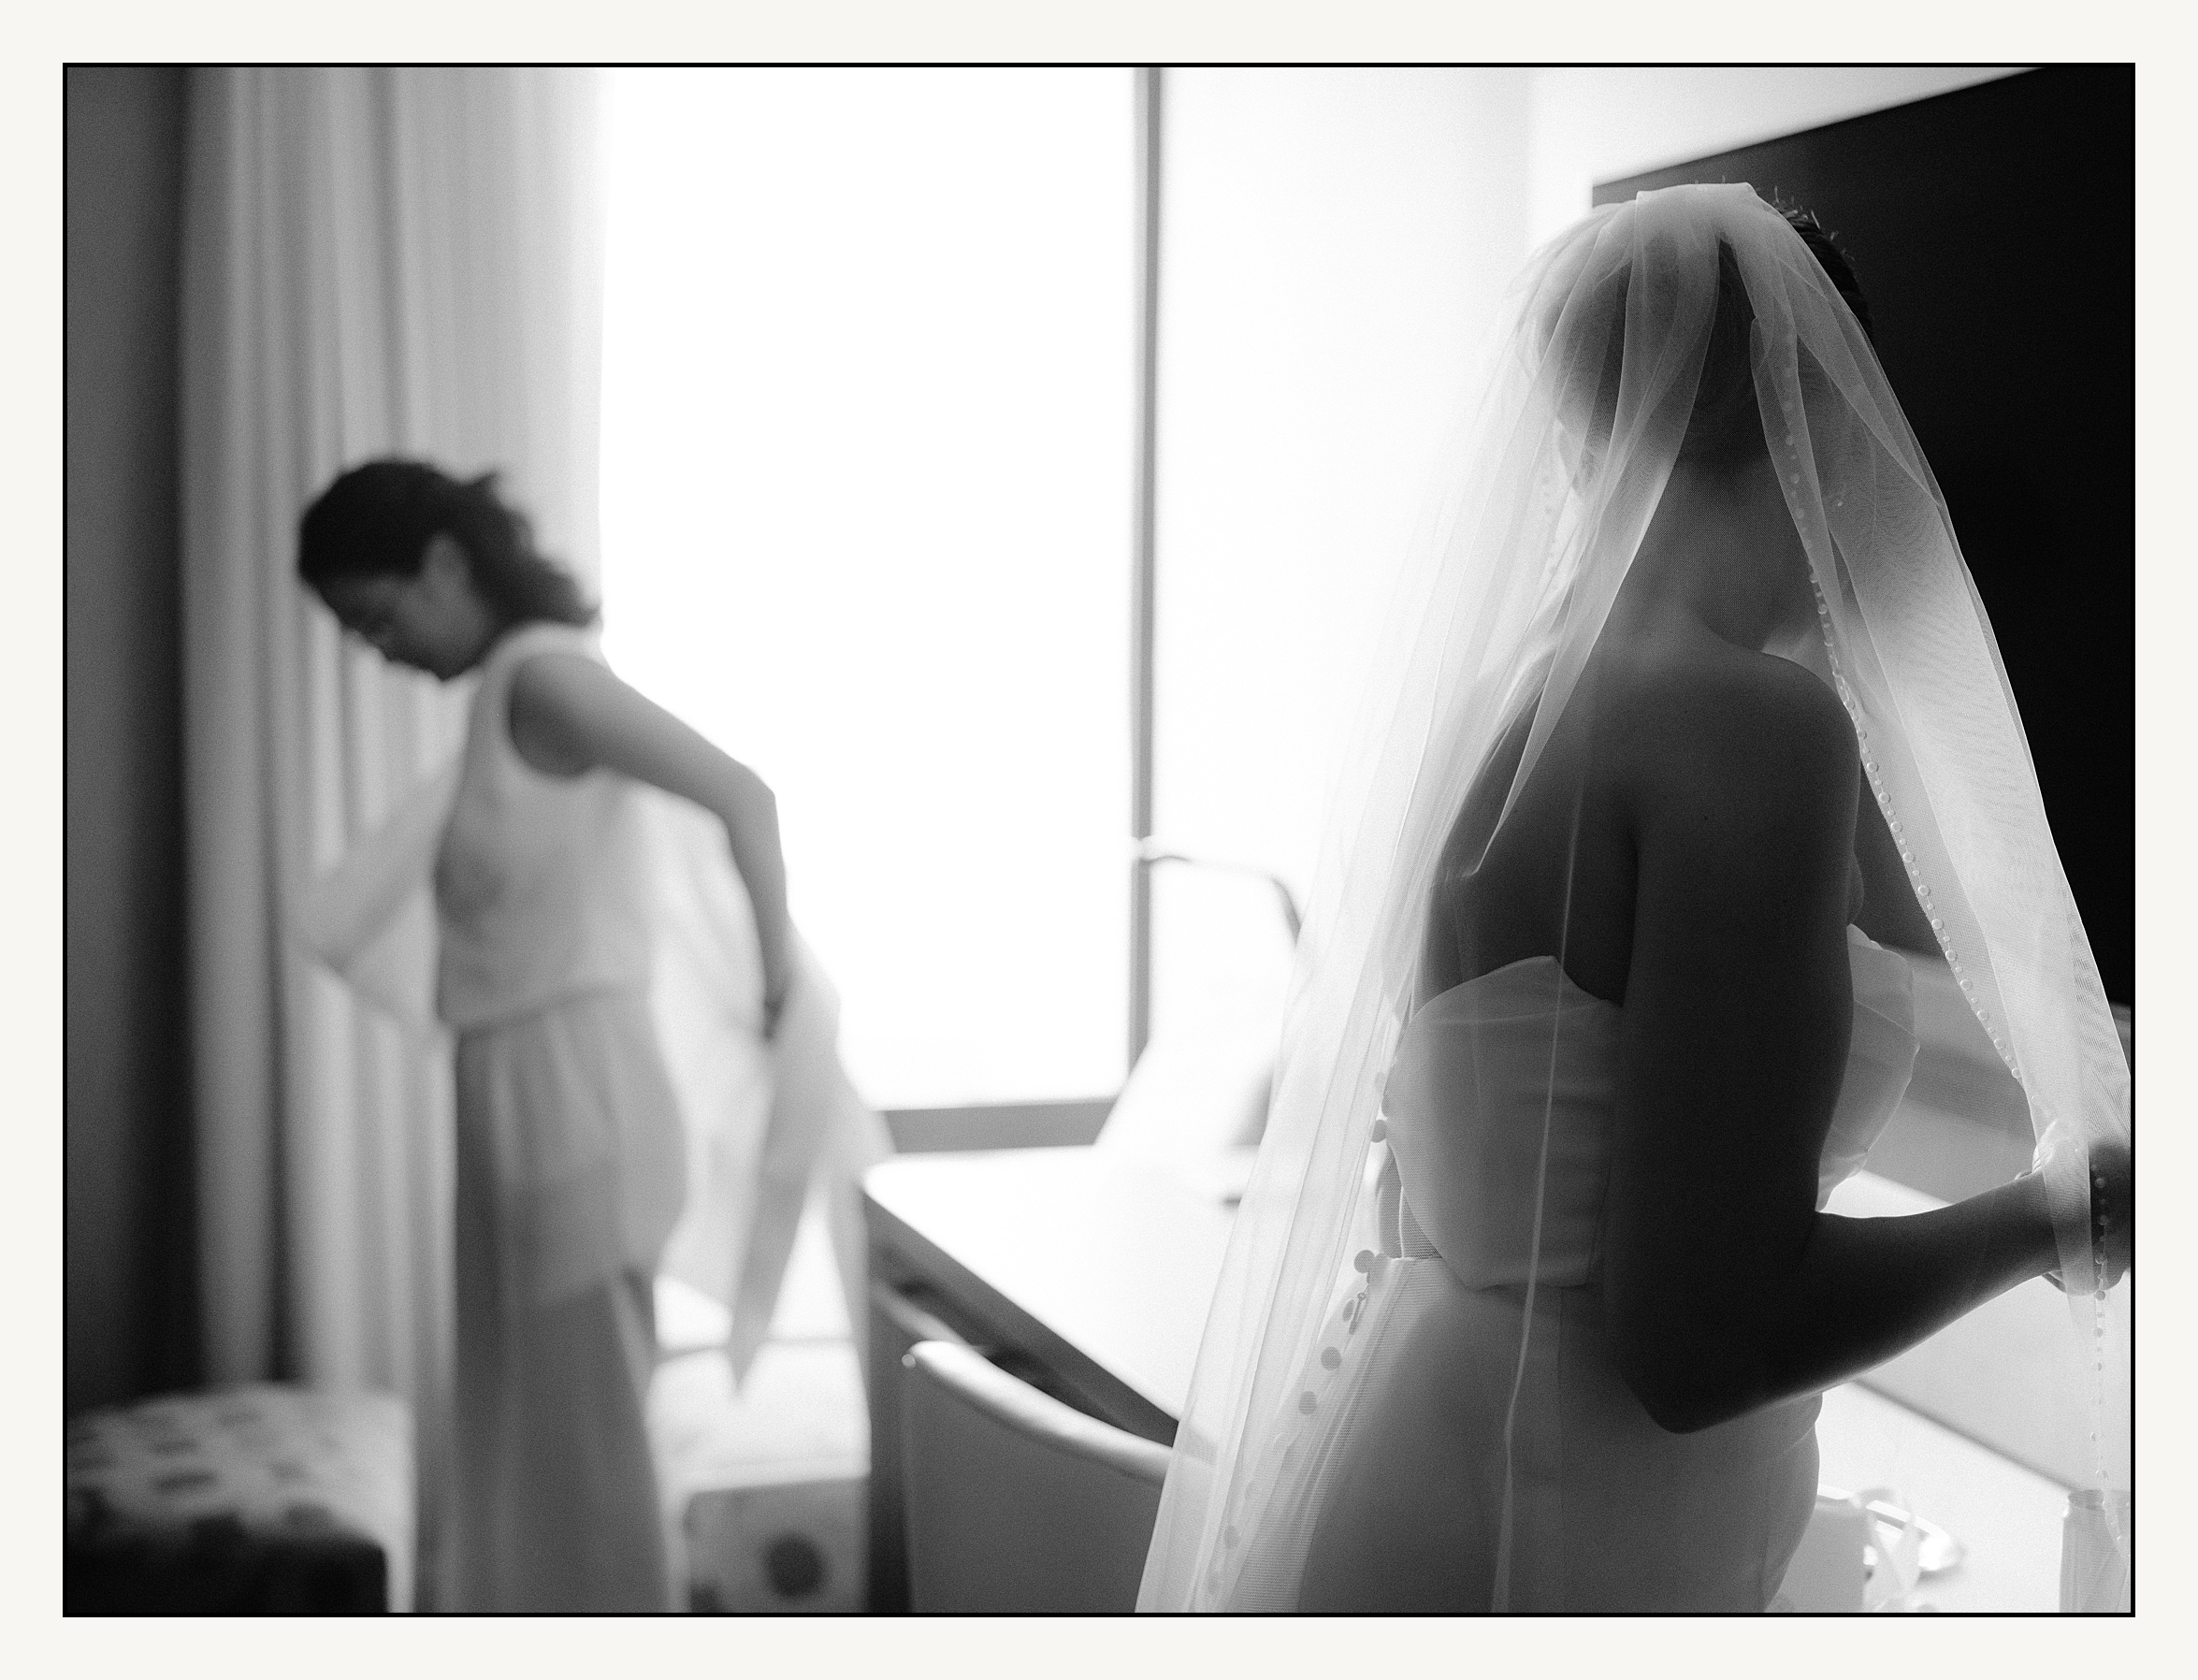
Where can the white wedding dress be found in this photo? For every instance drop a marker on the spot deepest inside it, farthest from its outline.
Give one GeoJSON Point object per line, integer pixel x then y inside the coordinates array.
{"type": "Point", "coordinates": [1389, 1491]}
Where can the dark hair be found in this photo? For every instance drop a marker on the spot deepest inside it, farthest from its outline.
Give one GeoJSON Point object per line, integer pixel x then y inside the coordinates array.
{"type": "Point", "coordinates": [377, 520]}
{"type": "Point", "coordinates": [1725, 426]}
{"type": "Point", "coordinates": [1834, 263]}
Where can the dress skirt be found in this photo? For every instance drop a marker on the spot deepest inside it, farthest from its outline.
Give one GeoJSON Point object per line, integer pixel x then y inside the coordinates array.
{"type": "Point", "coordinates": [1392, 1490]}
{"type": "Point", "coordinates": [568, 1179]}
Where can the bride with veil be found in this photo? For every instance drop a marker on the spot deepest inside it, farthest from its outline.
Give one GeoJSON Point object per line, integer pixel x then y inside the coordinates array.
{"type": "Point", "coordinates": [1532, 1295]}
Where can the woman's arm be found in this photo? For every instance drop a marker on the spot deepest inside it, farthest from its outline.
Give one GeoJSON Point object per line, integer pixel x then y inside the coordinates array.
{"type": "Point", "coordinates": [569, 715]}
{"type": "Point", "coordinates": [354, 902]}
{"type": "Point", "coordinates": [1724, 1288]}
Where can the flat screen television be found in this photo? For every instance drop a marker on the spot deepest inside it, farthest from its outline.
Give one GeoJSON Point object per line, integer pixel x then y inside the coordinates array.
{"type": "Point", "coordinates": [1993, 230]}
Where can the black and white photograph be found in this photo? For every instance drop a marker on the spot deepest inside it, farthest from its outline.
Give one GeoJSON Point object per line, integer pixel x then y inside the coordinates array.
{"type": "Point", "coordinates": [879, 840]}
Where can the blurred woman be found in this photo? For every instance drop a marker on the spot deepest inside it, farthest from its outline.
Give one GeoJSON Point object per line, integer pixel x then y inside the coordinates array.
{"type": "Point", "coordinates": [570, 1159]}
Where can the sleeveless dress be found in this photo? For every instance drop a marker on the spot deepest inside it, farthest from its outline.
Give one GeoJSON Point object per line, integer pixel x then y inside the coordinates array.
{"type": "Point", "coordinates": [569, 1172]}
{"type": "Point", "coordinates": [1391, 1490]}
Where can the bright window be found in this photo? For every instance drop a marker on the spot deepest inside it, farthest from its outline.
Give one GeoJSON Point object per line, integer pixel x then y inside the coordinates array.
{"type": "Point", "coordinates": [867, 477]}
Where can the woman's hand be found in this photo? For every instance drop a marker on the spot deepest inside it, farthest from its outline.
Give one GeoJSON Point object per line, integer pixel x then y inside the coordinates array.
{"type": "Point", "coordinates": [2114, 1214]}
{"type": "Point", "coordinates": [2113, 1210]}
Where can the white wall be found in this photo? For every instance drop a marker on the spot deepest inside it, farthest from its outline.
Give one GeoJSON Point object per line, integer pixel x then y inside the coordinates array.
{"type": "Point", "coordinates": [1595, 124]}
{"type": "Point", "coordinates": [1332, 243]}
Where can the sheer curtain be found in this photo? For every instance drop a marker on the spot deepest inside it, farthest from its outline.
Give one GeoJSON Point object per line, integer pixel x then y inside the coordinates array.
{"type": "Point", "coordinates": [376, 261]}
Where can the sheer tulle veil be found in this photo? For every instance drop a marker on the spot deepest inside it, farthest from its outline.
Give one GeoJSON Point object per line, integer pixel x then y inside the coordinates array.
{"type": "Point", "coordinates": [1594, 380]}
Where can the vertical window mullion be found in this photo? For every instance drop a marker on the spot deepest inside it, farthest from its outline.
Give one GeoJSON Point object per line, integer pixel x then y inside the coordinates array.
{"type": "Point", "coordinates": [1143, 577]}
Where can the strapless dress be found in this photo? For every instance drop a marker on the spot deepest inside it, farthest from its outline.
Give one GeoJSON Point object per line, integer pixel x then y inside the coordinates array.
{"type": "Point", "coordinates": [1390, 1485]}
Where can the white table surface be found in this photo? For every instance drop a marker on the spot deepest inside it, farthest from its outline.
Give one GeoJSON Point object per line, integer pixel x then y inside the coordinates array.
{"type": "Point", "coordinates": [2007, 1517]}
{"type": "Point", "coordinates": [1115, 1257]}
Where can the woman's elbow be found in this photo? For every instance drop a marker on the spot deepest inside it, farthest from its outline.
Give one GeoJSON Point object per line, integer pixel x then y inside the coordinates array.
{"type": "Point", "coordinates": [1684, 1386]}
{"type": "Point", "coordinates": [1683, 1408]}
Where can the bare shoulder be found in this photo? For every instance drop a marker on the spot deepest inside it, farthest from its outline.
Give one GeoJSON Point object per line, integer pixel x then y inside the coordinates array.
{"type": "Point", "coordinates": [1732, 733]}
{"type": "Point", "coordinates": [571, 712]}
{"type": "Point", "coordinates": [558, 702]}
{"type": "Point", "coordinates": [556, 676]}
{"type": "Point", "coordinates": [562, 688]}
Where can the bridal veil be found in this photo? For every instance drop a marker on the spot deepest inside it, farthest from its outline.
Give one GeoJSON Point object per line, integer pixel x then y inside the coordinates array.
{"type": "Point", "coordinates": [1596, 379]}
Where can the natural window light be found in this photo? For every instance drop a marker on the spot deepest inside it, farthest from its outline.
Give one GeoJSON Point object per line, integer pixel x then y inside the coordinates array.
{"type": "Point", "coordinates": [866, 506]}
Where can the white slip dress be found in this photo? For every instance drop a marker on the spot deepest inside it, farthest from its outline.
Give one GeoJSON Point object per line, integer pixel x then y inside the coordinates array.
{"type": "Point", "coordinates": [571, 1168]}
{"type": "Point", "coordinates": [526, 913]}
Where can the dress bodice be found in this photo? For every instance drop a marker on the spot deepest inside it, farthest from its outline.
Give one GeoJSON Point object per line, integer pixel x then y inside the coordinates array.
{"type": "Point", "coordinates": [1479, 1064]}
{"type": "Point", "coordinates": [539, 884]}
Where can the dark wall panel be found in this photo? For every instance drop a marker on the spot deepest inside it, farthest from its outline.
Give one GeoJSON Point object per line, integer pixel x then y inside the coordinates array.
{"type": "Point", "coordinates": [131, 1318]}
{"type": "Point", "coordinates": [1993, 230]}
